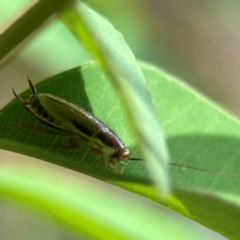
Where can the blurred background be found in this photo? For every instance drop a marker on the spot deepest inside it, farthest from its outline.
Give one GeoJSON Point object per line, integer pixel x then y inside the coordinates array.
{"type": "Point", "coordinates": [198, 41]}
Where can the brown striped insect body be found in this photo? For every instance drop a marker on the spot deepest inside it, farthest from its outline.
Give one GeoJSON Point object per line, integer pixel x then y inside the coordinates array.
{"type": "Point", "coordinates": [78, 124]}
{"type": "Point", "coordinates": [75, 122]}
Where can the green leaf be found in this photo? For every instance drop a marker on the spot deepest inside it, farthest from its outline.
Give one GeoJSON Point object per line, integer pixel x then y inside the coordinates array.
{"type": "Point", "coordinates": [199, 134]}
{"type": "Point", "coordinates": [91, 208]}
{"type": "Point", "coordinates": [109, 47]}
{"type": "Point", "coordinates": [97, 97]}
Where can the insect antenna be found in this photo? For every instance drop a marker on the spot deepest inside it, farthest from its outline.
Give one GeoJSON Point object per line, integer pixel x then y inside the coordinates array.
{"type": "Point", "coordinates": [194, 168]}
{"type": "Point", "coordinates": [20, 99]}
{"type": "Point", "coordinates": [31, 86]}
{"type": "Point", "coordinates": [136, 159]}
{"type": "Point", "coordinates": [204, 170]}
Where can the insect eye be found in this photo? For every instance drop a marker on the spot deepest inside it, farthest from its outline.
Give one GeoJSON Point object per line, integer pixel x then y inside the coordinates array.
{"type": "Point", "coordinates": [121, 154]}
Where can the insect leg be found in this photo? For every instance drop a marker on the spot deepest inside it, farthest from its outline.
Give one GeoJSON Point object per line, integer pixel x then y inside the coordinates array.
{"type": "Point", "coordinates": [5, 126]}
{"type": "Point", "coordinates": [123, 167]}
{"type": "Point", "coordinates": [96, 150]}
{"type": "Point", "coordinates": [45, 130]}
{"type": "Point", "coordinates": [108, 162]}
{"type": "Point", "coordinates": [73, 143]}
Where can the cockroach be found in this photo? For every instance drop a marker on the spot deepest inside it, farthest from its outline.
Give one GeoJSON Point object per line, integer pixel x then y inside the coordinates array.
{"type": "Point", "coordinates": [75, 122]}
{"type": "Point", "coordinates": [78, 124]}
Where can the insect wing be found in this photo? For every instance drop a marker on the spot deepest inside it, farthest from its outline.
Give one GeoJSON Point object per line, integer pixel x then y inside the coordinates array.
{"type": "Point", "coordinates": [67, 116]}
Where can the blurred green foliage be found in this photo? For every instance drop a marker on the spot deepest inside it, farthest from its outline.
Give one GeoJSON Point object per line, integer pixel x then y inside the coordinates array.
{"type": "Point", "coordinates": [192, 40]}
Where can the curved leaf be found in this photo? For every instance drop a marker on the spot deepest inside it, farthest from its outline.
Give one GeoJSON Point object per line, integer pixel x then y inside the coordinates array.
{"type": "Point", "coordinates": [106, 105]}
{"type": "Point", "coordinates": [199, 135]}
{"type": "Point", "coordinates": [94, 209]}
{"type": "Point", "coordinates": [109, 47]}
